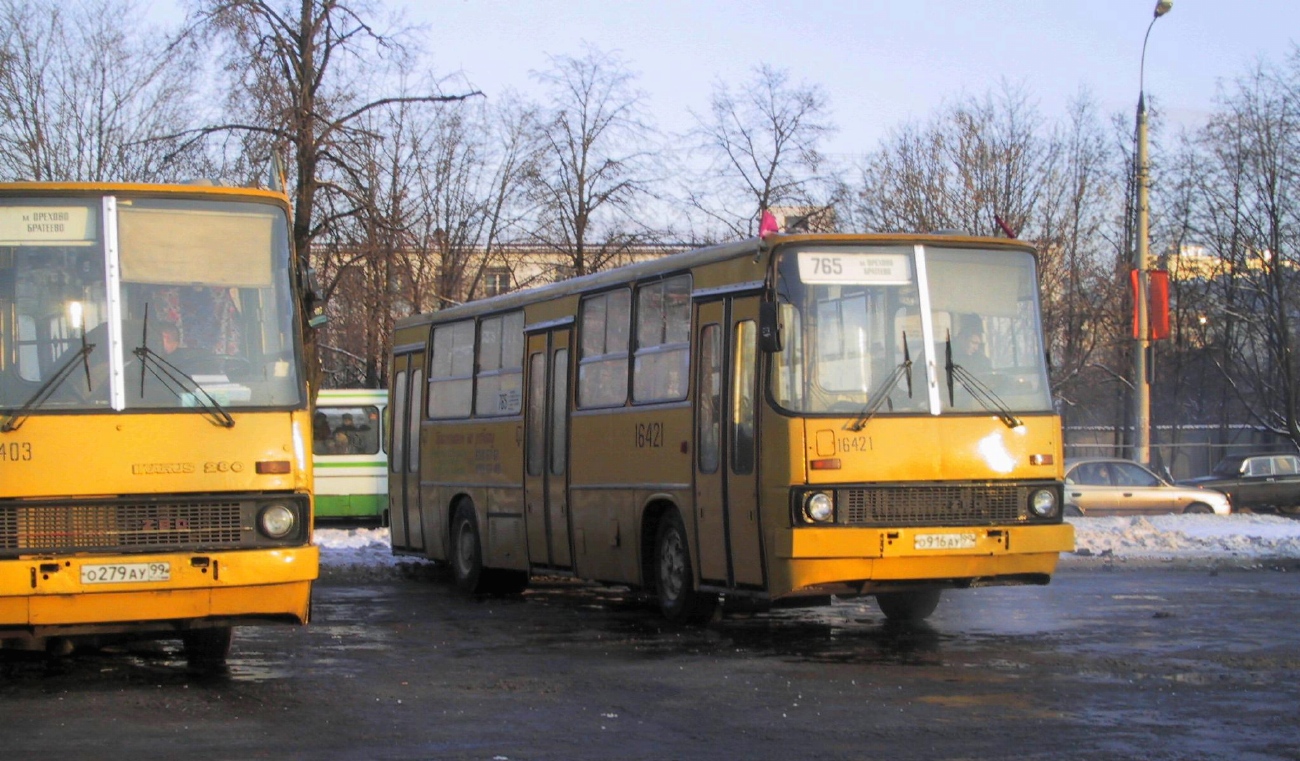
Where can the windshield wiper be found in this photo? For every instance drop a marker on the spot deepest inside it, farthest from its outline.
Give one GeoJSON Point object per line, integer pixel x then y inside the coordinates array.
{"type": "Point", "coordinates": [177, 380]}
{"type": "Point", "coordinates": [881, 393]}
{"type": "Point", "coordinates": [14, 420]}
{"type": "Point", "coordinates": [976, 388]}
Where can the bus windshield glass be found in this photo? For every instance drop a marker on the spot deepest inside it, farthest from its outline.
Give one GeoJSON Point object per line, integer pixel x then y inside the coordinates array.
{"type": "Point", "coordinates": [136, 303]}
{"type": "Point", "coordinates": [908, 329]}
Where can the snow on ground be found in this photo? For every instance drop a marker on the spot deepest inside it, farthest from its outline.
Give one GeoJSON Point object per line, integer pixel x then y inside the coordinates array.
{"type": "Point", "coordinates": [1165, 539]}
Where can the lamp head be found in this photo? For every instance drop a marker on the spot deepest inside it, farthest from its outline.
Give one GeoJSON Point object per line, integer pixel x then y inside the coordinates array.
{"type": "Point", "coordinates": [1163, 7]}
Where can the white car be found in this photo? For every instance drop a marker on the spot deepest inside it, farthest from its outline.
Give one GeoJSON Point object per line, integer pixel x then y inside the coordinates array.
{"type": "Point", "coordinates": [1112, 486]}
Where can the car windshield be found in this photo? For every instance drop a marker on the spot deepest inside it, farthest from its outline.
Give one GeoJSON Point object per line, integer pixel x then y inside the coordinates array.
{"type": "Point", "coordinates": [909, 329]}
{"type": "Point", "coordinates": [1229, 467]}
{"type": "Point", "coordinates": [98, 296]}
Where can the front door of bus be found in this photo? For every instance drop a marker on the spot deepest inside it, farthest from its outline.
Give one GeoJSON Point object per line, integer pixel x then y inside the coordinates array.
{"type": "Point", "coordinates": [726, 493]}
{"type": "Point", "coordinates": [405, 526]}
{"type": "Point", "coordinates": [546, 441]}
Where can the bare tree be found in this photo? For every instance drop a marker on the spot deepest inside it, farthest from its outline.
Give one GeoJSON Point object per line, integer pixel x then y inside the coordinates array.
{"type": "Point", "coordinates": [761, 145]}
{"type": "Point", "coordinates": [1248, 180]}
{"type": "Point", "coordinates": [1072, 224]}
{"type": "Point", "coordinates": [86, 93]}
{"type": "Point", "coordinates": [596, 162]}
{"type": "Point", "coordinates": [295, 93]}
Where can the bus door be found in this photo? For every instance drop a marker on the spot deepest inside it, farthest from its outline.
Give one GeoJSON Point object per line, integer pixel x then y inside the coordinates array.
{"type": "Point", "coordinates": [546, 418]}
{"type": "Point", "coordinates": [726, 486]}
{"type": "Point", "coordinates": [405, 525]}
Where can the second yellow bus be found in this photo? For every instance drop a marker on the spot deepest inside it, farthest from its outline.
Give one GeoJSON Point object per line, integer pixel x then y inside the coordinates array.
{"type": "Point", "coordinates": [776, 420]}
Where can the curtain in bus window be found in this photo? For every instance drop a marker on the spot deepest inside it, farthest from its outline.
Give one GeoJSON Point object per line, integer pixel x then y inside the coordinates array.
{"type": "Point", "coordinates": [451, 370]}
{"type": "Point", "coordinates": [663, 330]}
{"type": "Point", "coordinates": [500, 365]}
{"type": "Point", "coordinates": [709, 406]}
{"type": "Point", "coordinates": [535, 454]}
{"type": "Point", "coordinates": [560, 413]}
{"type": "Point", "coordinates": [603, 366]}
{"type": "Point", "coordinates": [742, 413]}
{"type": "Point", "coordinates": [398, 449]}
{"type": "Point", "coordinates": [413, 422]}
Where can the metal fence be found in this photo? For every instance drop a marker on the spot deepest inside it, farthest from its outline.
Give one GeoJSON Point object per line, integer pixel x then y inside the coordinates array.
{"type": "Point", "coordinates": [1178, 452]}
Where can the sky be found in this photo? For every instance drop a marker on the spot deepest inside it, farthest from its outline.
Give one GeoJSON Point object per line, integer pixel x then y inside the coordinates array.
{"type": "Point", "coordinates": [882, 63]}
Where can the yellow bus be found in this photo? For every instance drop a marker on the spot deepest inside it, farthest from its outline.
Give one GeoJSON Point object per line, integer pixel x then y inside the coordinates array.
{"type": "Point", "coordinates": [768, 422]}
{"type": "Point", "coordinates": [155, 424]}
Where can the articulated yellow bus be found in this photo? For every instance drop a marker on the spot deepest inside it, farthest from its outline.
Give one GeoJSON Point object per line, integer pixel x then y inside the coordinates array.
{"type": "Point", "coordinates": [772, 421]}
{"type": "Point", "coordinates": [155, 428]}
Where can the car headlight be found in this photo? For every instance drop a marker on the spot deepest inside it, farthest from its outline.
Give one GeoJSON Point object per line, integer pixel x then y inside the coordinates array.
{"type": "Point", "coordinates": [1042, 502]}
{"type": "Point", "coordinates": [818, 507]}
{"type": "Point", "coordinates": [277, 520]}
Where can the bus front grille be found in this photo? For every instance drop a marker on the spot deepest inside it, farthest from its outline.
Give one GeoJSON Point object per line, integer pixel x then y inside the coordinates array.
{"type": "Point", "coordinates": [125, 525]}
{"type": "Point", "coordinates": [934, 505]}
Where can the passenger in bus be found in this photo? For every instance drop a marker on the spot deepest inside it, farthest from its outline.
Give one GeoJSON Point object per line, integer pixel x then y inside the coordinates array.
{"type": "Point", "coordinates": [320, 434]}
{"type": "Point", "coordinates": [339, 443]}
{"type": "Point", "coordinates": [354, 434]}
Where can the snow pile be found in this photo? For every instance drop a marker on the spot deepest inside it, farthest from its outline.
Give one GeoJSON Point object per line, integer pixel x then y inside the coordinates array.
{"type": "Point", "coordinates": [1188, 537]}
{"type": "Point", "coordinates": [364, 552]}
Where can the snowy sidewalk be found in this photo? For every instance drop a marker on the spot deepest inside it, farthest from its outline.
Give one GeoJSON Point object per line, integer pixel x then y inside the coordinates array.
{"type": "Point", "coordinates": [1167, 540]}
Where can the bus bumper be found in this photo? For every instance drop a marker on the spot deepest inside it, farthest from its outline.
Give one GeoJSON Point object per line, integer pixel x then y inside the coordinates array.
{"type": "Point", "coordinates": [46, 595]}
{"type": "Point", "coordinates": [863, 560]}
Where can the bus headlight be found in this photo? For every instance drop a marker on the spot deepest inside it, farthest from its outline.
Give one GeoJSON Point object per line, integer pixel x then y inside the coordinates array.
{"type": "Point", "coordinates": [818, 507]}
{"type": "Point", "coordinates": [1042, 502]}
{"type": "Point", "coordinates": [277, 521]}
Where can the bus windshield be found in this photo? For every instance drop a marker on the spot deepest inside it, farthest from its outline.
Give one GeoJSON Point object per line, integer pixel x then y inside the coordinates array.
{"type": "Point", "coordinates": [908, 329]}
{"type": "Point", "coordinates": [140, 303]}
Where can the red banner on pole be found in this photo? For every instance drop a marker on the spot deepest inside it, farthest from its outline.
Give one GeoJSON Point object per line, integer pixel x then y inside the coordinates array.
{"type": "Point", "coordinates": [1157, 303]}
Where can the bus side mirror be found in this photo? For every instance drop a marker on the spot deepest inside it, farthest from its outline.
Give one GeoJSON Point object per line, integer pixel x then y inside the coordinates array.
{"type": "Point", "coordinates": [769, 327]}
{"type": "Point", "coordinates": [316, 316]}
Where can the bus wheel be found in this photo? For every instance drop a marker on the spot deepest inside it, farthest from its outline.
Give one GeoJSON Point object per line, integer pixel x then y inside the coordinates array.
{"type": "Point", "coordinates": [207, 648]}
{"type": "Point", "coordinates": [908, 606]}
{"type": "Point", "coordinates": [674, 581]}
{"type": "Point", "coordinates": [466, 553]}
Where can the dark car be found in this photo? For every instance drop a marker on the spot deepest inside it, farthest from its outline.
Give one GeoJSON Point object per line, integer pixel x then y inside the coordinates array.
{"type": "Point", "coordinates": [1256, 483]}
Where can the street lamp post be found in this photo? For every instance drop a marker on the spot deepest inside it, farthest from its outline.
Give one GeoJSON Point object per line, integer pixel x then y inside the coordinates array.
{"type": "Point", "coordinates": [1142, 348]}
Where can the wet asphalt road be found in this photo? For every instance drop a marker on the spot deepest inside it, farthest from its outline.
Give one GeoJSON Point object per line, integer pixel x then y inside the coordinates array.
{"type": "Point", "coordinates": [1161, 664]}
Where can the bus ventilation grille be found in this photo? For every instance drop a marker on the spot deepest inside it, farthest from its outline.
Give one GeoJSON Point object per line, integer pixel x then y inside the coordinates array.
{"type": "Point", "coordinates": [940, 505]}
{"type": "Point", "coordinates": [119, 526]}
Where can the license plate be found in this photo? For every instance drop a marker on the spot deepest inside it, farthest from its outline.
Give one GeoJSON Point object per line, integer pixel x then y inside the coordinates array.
{"type": "Point", "coordinates": [125, 573]}
{"type": "Point", "coordinates": [965, 541]}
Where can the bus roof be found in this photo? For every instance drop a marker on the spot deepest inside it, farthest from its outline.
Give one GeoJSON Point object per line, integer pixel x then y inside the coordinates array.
{"type": "Point", "coordinates": [198, 188]}
{"type": "Point", "coordinates": [685, 260]}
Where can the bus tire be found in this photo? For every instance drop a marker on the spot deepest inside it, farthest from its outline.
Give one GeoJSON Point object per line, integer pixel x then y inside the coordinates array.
{"type": "Point", "coordinates": [908, 606]}
{"type": "Point", "coordinates": [207, 648]}
{"type": "Point", "coordinates": [674, 579]}
{"type": "Point", "coordinates": [466, 551]}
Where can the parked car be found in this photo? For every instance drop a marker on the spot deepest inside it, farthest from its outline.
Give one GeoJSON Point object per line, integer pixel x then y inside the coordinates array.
{"type": "Point", "coordinates": [1256, 483]}
{"type": "Point", "coordinates": [1113, 486]}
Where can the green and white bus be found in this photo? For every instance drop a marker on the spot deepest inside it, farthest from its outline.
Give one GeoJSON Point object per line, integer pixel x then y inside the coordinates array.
{"type": "Point", "coordinates": [351, 462]}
